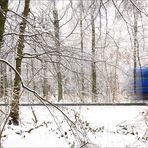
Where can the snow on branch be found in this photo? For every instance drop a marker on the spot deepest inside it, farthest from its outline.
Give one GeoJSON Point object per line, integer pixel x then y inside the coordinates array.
{"type": "Point", "coordinates": [34, 92]}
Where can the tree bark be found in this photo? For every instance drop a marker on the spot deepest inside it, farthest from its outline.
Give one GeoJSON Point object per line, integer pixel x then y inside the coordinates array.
{"type": "Point", "coordinates": [135, 45]}
{"type": "Point", "coordinates": [57, 44]}
{"type": "Point", "coordinates": [3, 78]}
{"type": "Point", "coordinates": [14, 112]}
{"type": "Point", "coordinates": [82, 51]}
{"type": "Point", "coordinates": [33, 75]}
{"type": "Point", "coordinates": [3, 12]}
{"type": "Point", "coordinates": [46, 87]}
{"type": "Point", "coordinates": [93, 65]}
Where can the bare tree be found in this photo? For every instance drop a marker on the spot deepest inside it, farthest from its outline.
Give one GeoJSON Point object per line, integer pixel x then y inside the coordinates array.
{"type": "Point", "coordinates": [3, 13]}
{"type": "Point", "coordinates": [46, 86]}
{"type": "Point", "coordinates": [135, 14]}
{"type": "Point", "coordinates": [14, 112]}
{"type": "Point", "coordinates": [93, 65]}
{"type": "Point", "coordinates": [82, 48]}
{"type": "Point", "coordinates": [57, 45]}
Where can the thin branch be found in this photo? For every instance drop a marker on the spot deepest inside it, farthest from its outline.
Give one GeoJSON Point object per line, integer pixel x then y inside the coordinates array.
{"type": "Point", "coordinates": [34, 92]}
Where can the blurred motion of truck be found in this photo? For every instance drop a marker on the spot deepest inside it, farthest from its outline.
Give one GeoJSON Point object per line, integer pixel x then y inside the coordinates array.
{"type": "Point", "coordinates": [138, 87]}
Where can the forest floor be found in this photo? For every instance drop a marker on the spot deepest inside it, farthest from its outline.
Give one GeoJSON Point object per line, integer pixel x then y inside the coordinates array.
{"type": "Point", "coordinates": [93, 126]}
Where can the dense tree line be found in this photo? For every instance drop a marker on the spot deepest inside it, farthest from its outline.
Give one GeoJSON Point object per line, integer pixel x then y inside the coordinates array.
{"type": "Point", "coordinates": [70, 51]}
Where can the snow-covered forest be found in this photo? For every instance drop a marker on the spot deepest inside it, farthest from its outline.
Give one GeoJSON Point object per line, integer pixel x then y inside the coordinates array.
{"type": "Point", "coordinates": [72, 51]}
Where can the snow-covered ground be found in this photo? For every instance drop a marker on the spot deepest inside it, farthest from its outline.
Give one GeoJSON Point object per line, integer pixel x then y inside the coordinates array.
{"type": "Point", "coordinates": [93, 126]}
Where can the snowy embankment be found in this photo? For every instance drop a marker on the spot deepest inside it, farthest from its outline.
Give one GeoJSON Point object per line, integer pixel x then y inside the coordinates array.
{"type": "Point", "coordinates": [93, 126]}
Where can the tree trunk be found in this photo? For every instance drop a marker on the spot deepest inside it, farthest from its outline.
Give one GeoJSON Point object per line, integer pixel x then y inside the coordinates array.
{"type": "Point", "coordinates": [14, 112]}
{"type": "Point", "coordinates": [45, 81]}
{"type": "Point", "coordinates": [33, 75]}
{"type": "Point", "coordinates": [114, 81]}
{"type": "Point", "coordinates": [57, 44]}
{"type": "Point", "coordinates": [3, 78]}
{"type": "Point", "coordinates": [3, 12]}
{"type": "Point", "coordinates": [82, 51]}
{"type": "Point", "coordinates": [93, 65]}
{"type": "Point", "coordinates": [135, 45]}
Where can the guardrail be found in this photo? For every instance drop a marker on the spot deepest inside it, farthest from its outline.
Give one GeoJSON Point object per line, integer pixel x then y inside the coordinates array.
{"type": "Point", "coordinates": [81, 104]}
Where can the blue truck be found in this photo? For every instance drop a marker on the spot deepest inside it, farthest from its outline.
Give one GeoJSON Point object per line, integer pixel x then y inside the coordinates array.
{"type": "Point", "coordinates": [140, 84]}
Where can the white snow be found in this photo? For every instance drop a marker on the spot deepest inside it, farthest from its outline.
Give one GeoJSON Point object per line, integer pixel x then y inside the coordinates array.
{"type": "Point", "coordinates": [95, 126]}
